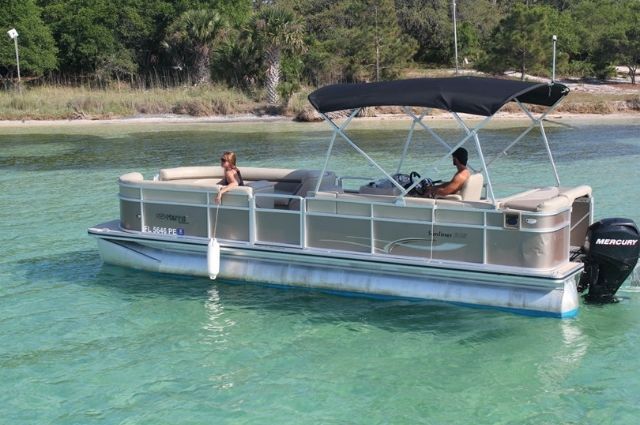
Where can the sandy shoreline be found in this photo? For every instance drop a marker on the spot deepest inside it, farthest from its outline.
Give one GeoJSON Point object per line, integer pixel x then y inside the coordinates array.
{"type": "Point", "coordinates": [151, 119]}
{"type": "Point", "coordinates": [249, 118]}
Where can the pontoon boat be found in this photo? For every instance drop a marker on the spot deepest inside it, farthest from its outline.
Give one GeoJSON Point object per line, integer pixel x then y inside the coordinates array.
{"type": "Point", "coordinates": [304, 228]}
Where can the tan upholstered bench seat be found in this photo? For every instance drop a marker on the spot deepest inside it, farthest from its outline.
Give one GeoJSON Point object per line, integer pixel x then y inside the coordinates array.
{"type": "Point", "coordinates": [547, 199]}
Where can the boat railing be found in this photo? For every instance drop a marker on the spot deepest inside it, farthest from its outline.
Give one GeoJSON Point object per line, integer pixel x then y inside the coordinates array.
{"type": "Point", "coordinates": [340, 221]}
{"type": "Point", "coordinates": [262, 208]}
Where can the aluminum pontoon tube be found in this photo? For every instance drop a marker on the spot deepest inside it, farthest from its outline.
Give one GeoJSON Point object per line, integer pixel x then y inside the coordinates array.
{"type": "Point", "coordinates": [557, 298]}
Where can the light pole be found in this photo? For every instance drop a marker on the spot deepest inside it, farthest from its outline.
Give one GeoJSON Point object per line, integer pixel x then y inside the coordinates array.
{"type": "Point", "coordinates": [13, 34]}
{"type": "Point", "coordinates": [553, 66]}
{"type": "Point", "coordinates": [455, 34]}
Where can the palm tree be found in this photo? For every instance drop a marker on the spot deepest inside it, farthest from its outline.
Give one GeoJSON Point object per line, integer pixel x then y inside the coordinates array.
{"type": "Point", "coordinates": [197, 30]}
{"type": "Point", "coordinates": [279, 31]}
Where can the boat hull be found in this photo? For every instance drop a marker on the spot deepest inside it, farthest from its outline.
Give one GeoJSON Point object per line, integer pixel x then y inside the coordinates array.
{"type": "Point", "coordinates": [534, 295]}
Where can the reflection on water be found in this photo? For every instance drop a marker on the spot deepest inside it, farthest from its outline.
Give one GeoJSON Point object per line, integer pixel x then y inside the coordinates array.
{"type": "Point", "coordinates": [216, 335]}
{"type": "Point", "coordinates": [563, 356]}
{"type": "Point", "coordinates": [576, 344]}
{"type": "Point", "coordinates": [217, 324]}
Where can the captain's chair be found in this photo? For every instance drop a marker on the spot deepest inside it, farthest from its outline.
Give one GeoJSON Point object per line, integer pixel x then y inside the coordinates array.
{"type": "Point", "coordinates": [471, 190]}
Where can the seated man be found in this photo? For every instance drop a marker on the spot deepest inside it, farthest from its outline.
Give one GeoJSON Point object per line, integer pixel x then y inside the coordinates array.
{"type": "Point", "coordinates": [460, 157]}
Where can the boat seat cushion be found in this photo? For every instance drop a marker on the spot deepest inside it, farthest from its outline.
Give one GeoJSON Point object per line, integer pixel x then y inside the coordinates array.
{"type": "Point", "coordinates": [197, 172]}
{"type": "Point", "coordinates": [248, 173]}
{"type": "Point", "coordinates": [281, 181]}
{"type": "Point", "coordinates": [471, 190]}
{"type": "Point", "coordinates": [548, 199]}
{"type": "Point", "coordinates": [262, 187]}
{"type": "Point", "coordinates": [134, 177]}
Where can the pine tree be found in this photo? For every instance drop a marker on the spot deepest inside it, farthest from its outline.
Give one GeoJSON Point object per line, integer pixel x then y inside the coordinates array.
{"type": "Point", "coordinates": [521, 40]}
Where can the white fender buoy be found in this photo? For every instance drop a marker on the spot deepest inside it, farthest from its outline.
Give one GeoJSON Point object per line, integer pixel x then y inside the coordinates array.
{"type": "Point", "coordinates": [213, 258]}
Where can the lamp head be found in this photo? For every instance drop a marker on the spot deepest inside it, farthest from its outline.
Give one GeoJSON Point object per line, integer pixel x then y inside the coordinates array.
{"type": "Point", "coordinates": [12, 33]}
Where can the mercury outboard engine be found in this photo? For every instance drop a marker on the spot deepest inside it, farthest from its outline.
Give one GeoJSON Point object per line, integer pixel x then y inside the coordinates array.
{"type": "Point", "coordinates": [609, 254]}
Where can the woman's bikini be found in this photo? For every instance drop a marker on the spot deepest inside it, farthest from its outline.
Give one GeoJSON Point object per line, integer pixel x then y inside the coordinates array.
{"type": "Point", "coordinates": [238, 177]}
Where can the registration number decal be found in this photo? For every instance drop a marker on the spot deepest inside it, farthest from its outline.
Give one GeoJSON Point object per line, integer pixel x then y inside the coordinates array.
{"type": "Point", "coordinates": [159, 230]}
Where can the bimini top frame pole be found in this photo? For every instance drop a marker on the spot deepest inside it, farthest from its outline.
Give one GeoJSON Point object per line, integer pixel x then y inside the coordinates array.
{"type": "Point", "coordinates": [544, 138]}
{"type": "Point", "coordinates": [470, 133]}
{"type": "Point", "coordinates": [450, 149]}
{"type": "Point", "coordinates": [333, 139]}
{"type": "Point", "coordinates": [472, 95]}
{"type": "Point", "coordinates": [476, 139]}
{"type": "Point", "coordinates": [409, 137]}
{"type": "Point", "coordinates": [534, 122]}
{"type": "Point", "coordinates": [340, 130]}
{"type": "Point", "coordinates": [426, 127]}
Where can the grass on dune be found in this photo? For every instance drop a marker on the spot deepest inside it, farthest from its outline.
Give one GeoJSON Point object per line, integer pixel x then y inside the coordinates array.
{"type": "Point", "coordinates": [65, 102]}
{"type": "Point", "coordinates": [56, 102]}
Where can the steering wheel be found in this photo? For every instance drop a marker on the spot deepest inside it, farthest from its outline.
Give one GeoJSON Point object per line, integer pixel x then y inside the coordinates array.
{"type": "Point", "coordinates": [420, 188]}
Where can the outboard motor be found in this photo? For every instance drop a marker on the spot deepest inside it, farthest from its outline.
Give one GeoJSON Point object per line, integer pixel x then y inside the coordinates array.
{"type": "Point", "coordinates": [610, 253]}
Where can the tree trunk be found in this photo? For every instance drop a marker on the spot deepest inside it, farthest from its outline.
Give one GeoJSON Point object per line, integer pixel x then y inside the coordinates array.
{"type": "Point", "coordinates": [201, 65]}
{"type": "Point", "coordinates": [632, 73]}
{"type": "Point", "coordinates": [523, 66]}
{"type": "Point", "coordinates": [273, 74]}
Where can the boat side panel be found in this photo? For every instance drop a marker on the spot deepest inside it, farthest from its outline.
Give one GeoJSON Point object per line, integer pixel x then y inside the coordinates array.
{"type": "Point", "coordinates": [404, 239]}
{"type": "Point", "coordinates": [231, 224]}
{"type": "Point", "coordinates": [129, 192]}
{"type": "Point", "coordinates": [175, 219]}
{"type": "Point", "coordinates": [339, 233]}
{"type": "Point", "coordinates": [352, 208]}
{"type": "Point", "coordinates": [175, 196]}
{"type": "Point", "coordinates": [130, 215]}
{"type": "Point", "coordinates": [528, 249]}
{"type": "Point", "coordinates": [457, 233]}
{"type": "Point", "coordinates": [456, 243]}
{"type": "Point", "coordinates": [527, 220]}
{"type": "Point", "coordinates": [495, 219]}
{"type": "Point", "coordinates": [460, 217]}
{"type": "Point", "coordinates": [581, 217]}
{"type": "Point", "coordinates": [395, 212]}
{"type": "Point", "coordinates": [533, 222]}
{"type": "Point", "coordinates": [325, 206]}
{"type": "Point", "coordinates": [278, 228]}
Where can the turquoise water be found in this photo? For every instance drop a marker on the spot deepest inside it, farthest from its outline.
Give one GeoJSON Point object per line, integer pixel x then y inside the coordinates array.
{"type": "Point", "coordinates": [84, 343]}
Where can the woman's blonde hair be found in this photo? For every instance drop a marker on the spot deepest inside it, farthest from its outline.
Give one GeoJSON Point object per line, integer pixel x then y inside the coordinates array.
{"type": "Point", "coordinates": [229, 156]}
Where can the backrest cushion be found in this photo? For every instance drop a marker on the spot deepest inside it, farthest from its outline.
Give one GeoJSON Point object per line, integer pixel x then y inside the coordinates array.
{"type": "Point", "coordinates": [471, 190]}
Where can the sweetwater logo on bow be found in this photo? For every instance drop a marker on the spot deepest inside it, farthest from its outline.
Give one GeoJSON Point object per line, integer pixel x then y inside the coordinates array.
{"type": "Point", "coordinates": [182, 219]}
{"type": "Point", "coordinates": [620, 242]}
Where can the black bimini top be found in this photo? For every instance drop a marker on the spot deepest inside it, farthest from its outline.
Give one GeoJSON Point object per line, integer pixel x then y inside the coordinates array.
{"type": "Point", "coordinates": [470, 95]}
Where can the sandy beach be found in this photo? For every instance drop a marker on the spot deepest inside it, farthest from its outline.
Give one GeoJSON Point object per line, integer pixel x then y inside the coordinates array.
{"type": "Point", "coordinates": [251, 118]}
{"type": "Point", "coordinates": [150, 119]}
